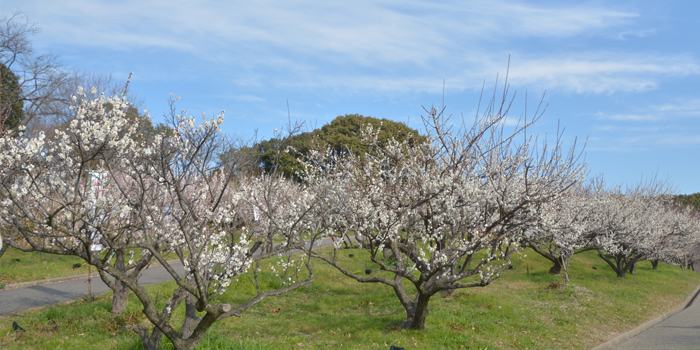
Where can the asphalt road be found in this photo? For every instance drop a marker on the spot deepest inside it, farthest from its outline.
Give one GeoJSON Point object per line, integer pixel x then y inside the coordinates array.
{"type": "Point", "coordinates": [21, 299]}
{"type": "Point", "coordinates": [680, 331]}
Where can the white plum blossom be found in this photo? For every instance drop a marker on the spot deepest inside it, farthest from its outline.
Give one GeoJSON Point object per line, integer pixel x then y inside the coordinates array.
{"type": "Point", "coordinates": [642, 223]}
{"type": "Point", "coordinates": [165, 197]}
{"type": "Point", "coordinates": [438, 212]}
{"type": "Point", "coordinates": [564, 226]}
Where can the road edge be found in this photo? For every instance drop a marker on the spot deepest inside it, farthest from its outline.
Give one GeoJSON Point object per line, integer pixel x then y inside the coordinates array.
{"type": "Point", "coordinates": [322, 243]}
{"type": "Point", "coordinates": [64, 279]}
{"type": "Point", "coordinates": [612, 343]}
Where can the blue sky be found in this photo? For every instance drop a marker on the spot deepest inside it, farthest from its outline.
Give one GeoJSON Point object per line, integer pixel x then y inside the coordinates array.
{"type": "Point", "coordinates": [624, 74]}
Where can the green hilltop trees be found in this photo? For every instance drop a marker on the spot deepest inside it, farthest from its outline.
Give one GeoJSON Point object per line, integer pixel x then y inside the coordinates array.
{"type": "Point", "coordinates": [692, 200]}
{"type": "Point", "coordinates": [11, 105]}
{"type": "Point", "coordinates": [342, 135]}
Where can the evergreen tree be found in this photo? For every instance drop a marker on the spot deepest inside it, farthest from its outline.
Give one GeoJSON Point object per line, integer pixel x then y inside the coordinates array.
{"type": "Point", "coordinates": [342, 135]}
{"type": "Point", "coordinates": [692, 200]}
{"type": "Point", "coordinates": [11, 111]}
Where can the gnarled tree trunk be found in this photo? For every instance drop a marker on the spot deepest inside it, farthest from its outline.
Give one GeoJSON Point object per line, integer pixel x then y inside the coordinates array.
{"type": "Point", "coordinates": [622, 263]}
{"type": "Point", "coordinates": [191, 319]}
{"type": "Point", "coordinates": [120, 298]}
{"type": "Point", "coordinates": [416, 312]}
{"type": "Point", "coordinates": [152, 341]}
{"type": "Point", "coordinates": [557, 261]}
{"type": "Point", "coordinates": [120, 290]}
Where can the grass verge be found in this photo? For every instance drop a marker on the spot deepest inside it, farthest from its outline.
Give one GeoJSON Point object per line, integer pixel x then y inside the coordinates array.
{"type": "Point", "coordinates": [17, 266]}
{"type": "Point", "coordinates": [527, 308]}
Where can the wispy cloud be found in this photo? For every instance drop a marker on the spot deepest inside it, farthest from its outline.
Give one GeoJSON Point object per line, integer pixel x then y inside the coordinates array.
{"type": "Point", "coordinates": [670, 125]}
{"type": "Point", "coordinates": [633, 117]}
{"type": "Point", "coordinates": [601, 72]}
{"type": "Point", "coordinates": [391, 45]}
{"type": "Point", "coordinates": [679, 140]}
{"type": "Point", "coordinates": [249, 98]}
{"type": "Point", "coordinates": [659, 113]}
{"type": "Point", "coordinates": [686, 107]}
{"type": "Point", "coordinates": [636, 33]}
{"type": "Point", "coordinates": [646, 142]}
{"type": "Point", "coordinates": [362, 28]}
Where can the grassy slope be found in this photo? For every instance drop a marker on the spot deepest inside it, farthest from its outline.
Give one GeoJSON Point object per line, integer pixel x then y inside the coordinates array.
{"type": "Point", "coordinates": [519, 310]}
{"type": "Point", "coordinates": [36, 266]}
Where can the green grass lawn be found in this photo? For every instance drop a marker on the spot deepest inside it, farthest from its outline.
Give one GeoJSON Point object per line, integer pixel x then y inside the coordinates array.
{"type": "Point", "coordinates": [520, 310]}
{"type": "Point", "coordinates": [17, 266]}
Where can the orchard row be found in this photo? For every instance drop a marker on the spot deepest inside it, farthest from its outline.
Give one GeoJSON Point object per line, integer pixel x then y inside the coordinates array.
{"type": "Point", "coordinates": [443, 212]}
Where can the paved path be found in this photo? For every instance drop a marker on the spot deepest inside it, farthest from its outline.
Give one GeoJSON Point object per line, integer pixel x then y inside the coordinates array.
{"type": "Point", "coordinates": [21, 299]}
{"type": "Point", "coordinates": [15, 300]}
{"type": "Point", "coordinates": [680, 331]}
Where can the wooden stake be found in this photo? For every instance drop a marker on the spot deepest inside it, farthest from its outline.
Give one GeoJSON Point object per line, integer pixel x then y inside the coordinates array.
{"type": "Point", "coordinates": [89, 284]}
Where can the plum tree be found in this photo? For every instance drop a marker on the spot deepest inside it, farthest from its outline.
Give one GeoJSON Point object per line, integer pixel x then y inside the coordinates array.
{"type": "Point", "coordinates": [163, 196]}
{"type": "Point", "coordinates": [449, 211]}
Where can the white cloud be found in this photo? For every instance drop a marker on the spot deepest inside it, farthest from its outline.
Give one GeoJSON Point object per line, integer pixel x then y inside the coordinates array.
{"type": "Point", "coordinates": [644, 142]}
{"type": "Point", "coordinates": [362, 31]}
{"type": "Point", "coordinates": [636, 33]}
{"type": "Point", "coordinates": [625, 128]}
{"type": "Point", "coordinates": [389, 46]}
{"type": "Point", "coordinates": [633, 117]}
{"type": "Point", "coordinates": [600, 72]}
{"type": "Point", "coordinates": [663, 114]}
{"type": "Point", "coordinates": [248, 98]}
{"type": "Point", "coordinates": [678, 140]}
{"type": "Point", "coordinates": [687, 107]}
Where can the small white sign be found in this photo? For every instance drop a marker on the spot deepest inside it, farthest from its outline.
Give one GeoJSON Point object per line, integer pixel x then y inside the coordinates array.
{"type": "Point", "coordinates": [256, 213]}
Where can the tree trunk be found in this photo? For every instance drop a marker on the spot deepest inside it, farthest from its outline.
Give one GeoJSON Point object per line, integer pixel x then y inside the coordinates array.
{"type": "Point", "coordinates": [684, 264]}
{"type": "Point", "coordinates": [633, 269]}
{"type": "Point", "coordinates": [387, 253]}
{"type": "Point", "coordinates": [120, 298]}
{"type": "Point", "coordinates": [618, 266]}
{"type": "Point", "coordinates": [565, 267]}
{"type": "Point", "coordinates": [3, 247]}
{"type": "Point", "coordinates": [556, 260]}
{"type": "Point", "coordinates": [191, 319]}
{"type": "Point", "coordinates": [151, 342]}
{"type": "Point", "coordinates": [621, 273]}
{"type": "Point", "coordinates": [120, 290]}
{"type": "Point", "coordinates": [417, 313]}
{"type": "Point", "coordinates": [655, 264]}
{"type": "Point", "coordinates": [557, 265]}
{"type": "Point", "coordinates": [197, 335]}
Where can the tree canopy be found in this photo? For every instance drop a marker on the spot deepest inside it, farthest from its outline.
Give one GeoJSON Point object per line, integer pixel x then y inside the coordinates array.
{"type": "Point", "coordinates": [11, 105]}
{"type": "Point", "coordinates": [342, 135]}
{"type": "Point", "coordinates": [692, 200]}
